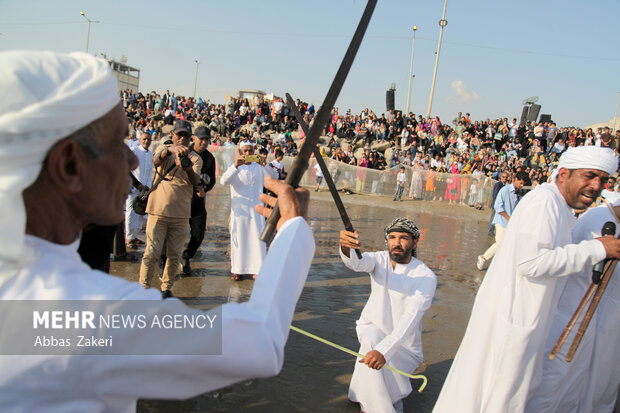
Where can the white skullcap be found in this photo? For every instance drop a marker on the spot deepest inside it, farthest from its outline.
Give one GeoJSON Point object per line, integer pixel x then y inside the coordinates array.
{"type": "Point", "coordinates": [246, 143]}
{"type": "Point", "coordinates": [45, 97]}
{"type": "Point", "coordinates": [588, 157]}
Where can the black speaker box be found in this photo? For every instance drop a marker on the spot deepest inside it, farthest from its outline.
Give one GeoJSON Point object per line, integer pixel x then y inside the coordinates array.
{"type": "Point", "coordinates": [389, 99]}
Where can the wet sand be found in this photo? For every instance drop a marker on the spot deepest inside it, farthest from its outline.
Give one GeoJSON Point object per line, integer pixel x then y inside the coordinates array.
{"type": "Point", "coordinates": [315, 377]}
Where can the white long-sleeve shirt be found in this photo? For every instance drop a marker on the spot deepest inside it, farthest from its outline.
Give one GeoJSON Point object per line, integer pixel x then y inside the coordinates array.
{"type": "Point", "coordinates": [391, 323]}
{"type": "Point", "coordinates": [499, 363]}
{"type": "Point", "coordinates": [589, 383]}
{"type": "Point", "coordinates": [144, 171]}
{"type": "Point", "coordinates": [398, 299]}
{"type": "Point", "coordinates": [114, 383]}
{"type": "Point", "coordinates": [247, 251]}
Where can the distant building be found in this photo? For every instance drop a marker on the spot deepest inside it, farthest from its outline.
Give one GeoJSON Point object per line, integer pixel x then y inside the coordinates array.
{"type": "Point", "coordinates": [128, 77]}
{"type": "Point", "coordinates": [613, 124]}
{"type": "Point", "coordinates": [250, 93]}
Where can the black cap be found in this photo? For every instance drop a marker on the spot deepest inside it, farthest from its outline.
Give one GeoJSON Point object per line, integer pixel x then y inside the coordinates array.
{"type": "Point", "coordinates": [181, 125]}
{"type": "Point", "coordinates": [202, 132]}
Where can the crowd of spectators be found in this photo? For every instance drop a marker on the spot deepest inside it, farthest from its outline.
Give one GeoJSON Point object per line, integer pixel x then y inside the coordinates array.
{"type": "Point", "coordinates": [390, 140]}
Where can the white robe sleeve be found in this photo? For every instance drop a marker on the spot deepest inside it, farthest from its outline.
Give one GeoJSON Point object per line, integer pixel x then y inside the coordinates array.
{"type": "Point", "coordinates": [562, 261]}
{"type": "Point", "coordinates": [230, 177]}
{"type": "Point", "coordinates": [366, 264]}
{"type": "Point", "coordinates": [541, 257]}
{"type": "Point", "coordinates": [253, 334]}
{"type": "Point", "coordinates": [271, 171]}
{"type": "Point", "coordinates": [416, 307]}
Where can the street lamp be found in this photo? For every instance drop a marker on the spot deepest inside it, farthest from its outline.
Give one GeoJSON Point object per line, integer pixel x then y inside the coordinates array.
{"type": "Point", "coordinates": [89, 22]}
{"type": "Point", "coordinates": [616, 115]}
{"type": "Point", "coordinates": [411, 71]}
{"type": "Point", "coordinates": [442, 23]}
{"type": "Point", "coordinates": [196, 78]}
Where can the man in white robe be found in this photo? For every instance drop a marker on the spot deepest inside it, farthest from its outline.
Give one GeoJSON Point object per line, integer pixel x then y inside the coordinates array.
{"type": "Point", "coordinates": [589, 383]}
{"type": "Point", "coordinates": [498, 366]}
{"type": "Point", "coordinates": [390, 326]}
{"type": "Point", "coordinates": [63, 164]}
{"type": "Point", "coordinates": [144, 174]}
{"type": "Point", "coordinates": [247, 251]}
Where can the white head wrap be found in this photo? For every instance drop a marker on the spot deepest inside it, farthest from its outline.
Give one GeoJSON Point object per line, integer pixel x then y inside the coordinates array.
{"type": "Point", "coordinates": [46, 96]}
{"type": "Point", "coordinates": [246, 143]}
{"type": "Point", "coordinates": [588, 157]}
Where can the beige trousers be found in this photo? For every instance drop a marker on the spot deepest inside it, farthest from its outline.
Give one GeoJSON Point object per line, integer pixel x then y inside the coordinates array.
{"type": "Point", "coordinates": [173, 231]}
{"type": "Point", "coordinates": [499, 233]}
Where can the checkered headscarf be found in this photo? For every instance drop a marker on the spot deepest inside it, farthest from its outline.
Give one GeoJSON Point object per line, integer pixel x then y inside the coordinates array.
{"type": "Point", "coordinates": [403, 225]}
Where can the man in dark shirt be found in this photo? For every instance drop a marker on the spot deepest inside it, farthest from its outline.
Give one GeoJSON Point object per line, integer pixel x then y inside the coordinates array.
{"type": "Point", "coordinates": [503, 178]}
{"type": "Point", "coordinates": [198, 219]}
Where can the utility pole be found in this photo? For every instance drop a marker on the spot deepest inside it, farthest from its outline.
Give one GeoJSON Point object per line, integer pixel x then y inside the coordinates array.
{"type": "Point", "coordinates": [196, 78]}
{"type": "Point", "coordinates": [442, 23]}
{"type": "Point", "coordinates": [89, 22]}
{"type": "Point", "coordinates": [411, 71]}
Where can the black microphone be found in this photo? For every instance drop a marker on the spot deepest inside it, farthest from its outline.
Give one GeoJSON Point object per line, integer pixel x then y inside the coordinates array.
{"type": "Point", "coordinates": [609, 228]}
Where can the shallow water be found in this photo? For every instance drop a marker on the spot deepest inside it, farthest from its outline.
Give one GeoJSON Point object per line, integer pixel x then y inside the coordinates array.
{"type": "Point", "coordinates": [315, 376]}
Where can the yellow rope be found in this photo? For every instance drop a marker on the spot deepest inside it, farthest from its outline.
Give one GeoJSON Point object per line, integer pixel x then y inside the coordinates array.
{"type": "Point", "coordinates": [353, 353]}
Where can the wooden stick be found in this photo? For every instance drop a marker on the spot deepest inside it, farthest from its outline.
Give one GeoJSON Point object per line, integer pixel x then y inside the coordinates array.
{"type": "Point", "coordinates": [609, 270]}
{"type": "Point", "coordinates": [572, 321]}
{"type": "Point", "coordinates": [328, 177]}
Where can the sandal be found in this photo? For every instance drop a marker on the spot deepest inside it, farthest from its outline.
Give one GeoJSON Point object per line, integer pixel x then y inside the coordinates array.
{"type": "Point", "coordinates": [132, 244]}
{"type": "Point", "coordinates": [236, 277]}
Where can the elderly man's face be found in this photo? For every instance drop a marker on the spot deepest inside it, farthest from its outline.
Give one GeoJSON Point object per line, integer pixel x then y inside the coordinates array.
{"type": "Point", "coordinates": [107, 182]}
{"type": "Point", "coordinates": [246, 150]}
{"type": "Point", "coordinates": [145, 140]}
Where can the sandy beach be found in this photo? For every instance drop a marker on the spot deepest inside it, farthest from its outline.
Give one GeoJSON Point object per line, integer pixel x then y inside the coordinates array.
{"type": "Point", "coordinates": [315, 377]}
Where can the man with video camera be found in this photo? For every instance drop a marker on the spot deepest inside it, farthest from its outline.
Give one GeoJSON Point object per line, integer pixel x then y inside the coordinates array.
{"type": "Point", "coordinates": [169, 206]}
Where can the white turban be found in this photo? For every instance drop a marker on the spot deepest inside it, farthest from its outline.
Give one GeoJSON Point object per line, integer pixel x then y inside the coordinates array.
{"type": "Point", "coordinates": [246, 143]}
{"type": "Point", "coordinates": [588, 157]}
{"type": "Point", "coordinates": [45, 97]}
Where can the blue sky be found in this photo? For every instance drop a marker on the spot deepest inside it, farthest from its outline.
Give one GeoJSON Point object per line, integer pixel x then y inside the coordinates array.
{"type": "Point", "coordinates": [494, 53]}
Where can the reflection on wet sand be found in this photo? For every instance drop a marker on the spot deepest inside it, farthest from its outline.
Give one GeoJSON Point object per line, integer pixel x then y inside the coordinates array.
{"type": "Point", "coordinates": [315, 377]}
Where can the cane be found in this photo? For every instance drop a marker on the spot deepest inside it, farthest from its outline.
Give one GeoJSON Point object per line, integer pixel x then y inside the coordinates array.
{"type": "Point", "coordinates": [571, 323]}
{"type": "Point", "coordinates": [600, 289]}
{"type": "Point", "coordinates": [595, 289]}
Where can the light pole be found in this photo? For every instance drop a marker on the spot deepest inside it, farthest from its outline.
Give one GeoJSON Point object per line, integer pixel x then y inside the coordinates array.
{"type": "Point", "coordinates": [442, 23]}
{"type": "Point", "coordinates": [411, 71]}
{"type": "Point", "coordinates": [616, 115]}
{"type": "Point", "coordinates": [89, 22]}
{"type": "Point", "coordinates": [196, 78]}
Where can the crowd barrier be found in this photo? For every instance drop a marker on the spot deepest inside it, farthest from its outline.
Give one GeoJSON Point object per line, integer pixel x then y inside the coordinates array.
{"type": "Point", "coordinates": [466, 189]}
